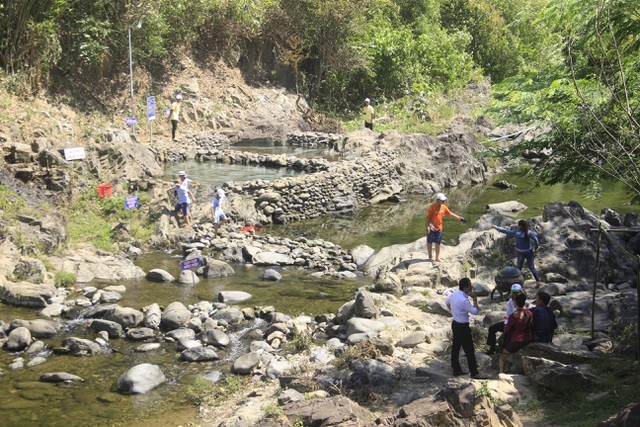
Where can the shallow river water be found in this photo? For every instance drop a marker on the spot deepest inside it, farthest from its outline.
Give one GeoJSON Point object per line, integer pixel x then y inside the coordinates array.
{"type": "Point", "coordinates": [26, 401]}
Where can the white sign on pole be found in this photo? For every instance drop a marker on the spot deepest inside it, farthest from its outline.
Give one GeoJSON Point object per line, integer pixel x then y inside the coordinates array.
{"type": "Point", "coordinates": [76, 153]}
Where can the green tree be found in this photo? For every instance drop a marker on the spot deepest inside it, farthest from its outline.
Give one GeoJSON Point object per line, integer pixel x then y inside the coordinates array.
{"type": "Point", "coordinates": [588, 98]}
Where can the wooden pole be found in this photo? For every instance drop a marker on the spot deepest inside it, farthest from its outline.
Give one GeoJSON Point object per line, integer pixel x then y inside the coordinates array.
{"type": "Point", "coordinates": [595, 281]}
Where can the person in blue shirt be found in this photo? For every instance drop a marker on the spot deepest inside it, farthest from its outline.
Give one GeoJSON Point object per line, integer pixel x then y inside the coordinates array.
{"type": "Point", "coordinates": [526, 245]}
{"type": "Point", "coordinates": [544, 321]}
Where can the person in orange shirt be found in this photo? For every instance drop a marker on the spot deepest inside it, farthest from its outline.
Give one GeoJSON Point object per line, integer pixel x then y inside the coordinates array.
{"type": "Point", "coordinates": [435, 214]}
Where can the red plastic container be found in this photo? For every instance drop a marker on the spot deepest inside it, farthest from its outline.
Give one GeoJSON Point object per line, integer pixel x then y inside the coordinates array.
{"type": "Point", "coordinates": [105, 191]}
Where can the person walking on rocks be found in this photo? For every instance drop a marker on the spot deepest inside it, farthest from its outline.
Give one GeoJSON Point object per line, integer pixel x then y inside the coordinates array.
{"type": "Point", "coordinates": [526, 246]}
{"type": "Point", "coordinates": [185, 197]}
{"type": "Point", "coordinates": [174, 115]}
{"type": "Point", "coordinates": [217, 213]}
{"type": "Point", "coordinates": [460, 307]}
{"type": "Point", "coordinates": [516, 289]}
{"type": "Point", "coordinates": [369, 114]}
{"type": "Point", "coordinates": [435, 215]}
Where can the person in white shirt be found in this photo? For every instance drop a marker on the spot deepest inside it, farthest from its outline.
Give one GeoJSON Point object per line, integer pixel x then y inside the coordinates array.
{"type": "Point", "coordinates": [516, 288]}
{"type": "Point", "coordinates": [217, 213]}
{"type": "Point", "coordinates": [185, 197]}
{"type": "Point", "coordinates": [460, 307]}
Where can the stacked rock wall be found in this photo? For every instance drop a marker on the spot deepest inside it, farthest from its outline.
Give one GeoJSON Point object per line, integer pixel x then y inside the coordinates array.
{"type": "Point", "coordinates": [342, 189]}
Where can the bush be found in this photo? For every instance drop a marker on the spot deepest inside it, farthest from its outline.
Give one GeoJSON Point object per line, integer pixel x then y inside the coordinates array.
{"type": "Point", "coordinates": [65, 279]}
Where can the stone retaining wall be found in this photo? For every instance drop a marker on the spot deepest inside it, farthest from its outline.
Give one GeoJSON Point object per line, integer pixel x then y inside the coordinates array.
{"type": "Point", "coordinates": [341, 189]}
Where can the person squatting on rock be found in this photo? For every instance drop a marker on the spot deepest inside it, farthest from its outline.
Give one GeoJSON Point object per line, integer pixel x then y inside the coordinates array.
{"type": "Point", "coordinates": [460, 307]}
{"type": "Point", "coordinates": [435, 215]}
{"type": "Point", "coordinates": [544, 321]}
{"type": "Point", "coordinates": [184, 195]}
{"type": "Point", "coordinates": [369, 114]}
{"type": "Point", "coordinates": [526, 246]}
{"type": "Point", "coordinates": [217, 213]}
{"type": "Point", "coordinates": [516, 289]}
{"type": "Point", "coordinates": [174, 116]}
{"type": "Point", "coordinates": [517, 331]}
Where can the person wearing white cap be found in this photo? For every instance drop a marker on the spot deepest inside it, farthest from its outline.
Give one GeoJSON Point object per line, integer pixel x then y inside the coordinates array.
{"type": "Point", "coordinates": [516, 288]}
{"type": "Point", "coordinates": [435, 215]}
{"type": "Point", "coordinates": [217, 213]}
{"type": "Point", "coordinates": [369, 114]}
{"type": "Point", "coordinates": [174, 115]}
{"type": "Point", "coordinates": [184, 195]}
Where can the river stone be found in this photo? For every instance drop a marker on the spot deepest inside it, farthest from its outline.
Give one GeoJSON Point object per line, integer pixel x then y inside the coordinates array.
{"type": "Point", "coordinates": [213, 376]}
{"type": "Point", "coordinates": [199, 354]}
{"type": "Point", "coordinates": [36, 347]}
{"type": "Point", "coordinates": [217, 338]}
{"type": "Point", "coordinates": [188, 277]}
{"type": "Point", "coordinates": [181, 333]}
{"type": "Point", "coordinates": [160, 275]}
{"type": "Point", "coordinates": [231, 315]}
{"type": "Point", "coordinates": [81, 346]}
{"type": "Point", "coordinates": [17, 364]}
{"type": "Point", "coordinates": [144, 348]}
{"type": "Point", "coordinates": [99, 311]}
{"type": "Point", "coordinates": [187, 343]}
{"type": "Point", "coordinates": [39, 328]}
{"type": "Point", "coordinates": [232, 297]}
{"type": "Point", "coordinates": [113, 329]}
{"type": "Point", "coordinates": [176, 315]}
{"type": "Point", "coordinates": [364, 306]}
{"type": "Point", "coordinates": [375, 372]}
{"type": "Point", "coordinates": [140, 379]}
{"type": "Point", "coordinates": [271, 274]}
{"type": "Point", "coordinates": [511, 208]}
{"type": "Point", "coordinates": [107, 297]}
{"type": "Point", "coordinates": [413, 339]}
{"type": "Point", "coordinates": [140, 334]}
{"type": "Point", "coordinates": [358, 324]}
{"type": "Point", "coordinates": [60, 377]}
{"type": "Point", "coordinates": [25, 294]}
{"type": "Point", "coordinates": [126, 316]}
{"type": "Point", "coordinates": [18, 339]}
{"type": "Point", "coordinates": [38, 360]}
{"type": "Point", "coordinates": [361, 254]}
{"type": "Point", "coordinates": [217, 268]}
{"type": "Point", "coordinates": [272, 258]}
{"type": "Point", "coordinates": [152, 316]}
{"type": "Point", "coordinates": [245, 364]}
{"type": "Point", "coordinates": [53, 310]}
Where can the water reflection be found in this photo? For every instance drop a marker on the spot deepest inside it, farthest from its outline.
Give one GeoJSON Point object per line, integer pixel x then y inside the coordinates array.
{"type": "Point", "coordinates": [215, 174]}
{"type": "Point", "coordinates": [390, 223]}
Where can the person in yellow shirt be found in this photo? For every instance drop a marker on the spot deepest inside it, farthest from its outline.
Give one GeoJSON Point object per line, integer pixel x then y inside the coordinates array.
{"type": "Point", "coordinates": [435, 215]}
{"type": "Point", "coordinates": [369, 114]}
{"type": "Point", "coordinates": [174, 115]}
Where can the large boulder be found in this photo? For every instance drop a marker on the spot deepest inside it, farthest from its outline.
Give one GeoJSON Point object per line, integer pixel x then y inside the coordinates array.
{"type": "Point", "coordinates": [176, 315]}
{"type": "Point", "coordinates": [18, 339]}
{"type": "Point", "coordinates": [25, 294]}
{"type": "Point", "coordinates": [140, 379]}
{"type": "Point", "coordinates": [557, 376]}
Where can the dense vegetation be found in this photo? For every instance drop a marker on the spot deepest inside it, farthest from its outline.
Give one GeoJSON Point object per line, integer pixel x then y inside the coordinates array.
{"type": "Point", "coordinates": [567, 65]}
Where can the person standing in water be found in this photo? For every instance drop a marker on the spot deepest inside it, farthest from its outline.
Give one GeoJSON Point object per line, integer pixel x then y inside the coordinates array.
{"type": "Point", "coordinates": [526, 246]}
{"type": "Point", "coordinates": [217, 213]}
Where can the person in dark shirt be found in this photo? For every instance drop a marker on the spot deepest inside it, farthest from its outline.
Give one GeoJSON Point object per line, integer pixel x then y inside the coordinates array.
{"type": "Point", "coordinates": [544, 321]}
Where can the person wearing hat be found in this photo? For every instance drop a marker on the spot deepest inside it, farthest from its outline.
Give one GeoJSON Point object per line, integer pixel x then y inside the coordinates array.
{"type": "Point", "coordinates": [460, 306]}
{"type": "Point", "coordinates": [517, 331]}
{"type": "Point", "coordinates": [435, 215]}
{"type": "Point", "coordinates": [185, 196]}
{"type": "Point", "coordinates": [174, 115]}
{"type": "Point", "coordinates": [516, 289]}
{"type": "Point", "coordinates": [217, 213]}
{"type": "Point", "coordinates": [369, 114]}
